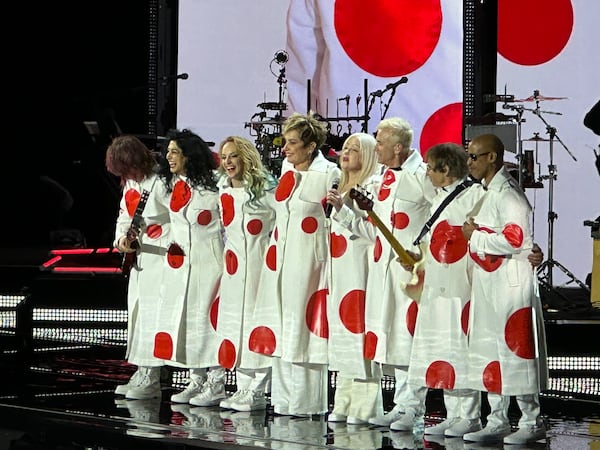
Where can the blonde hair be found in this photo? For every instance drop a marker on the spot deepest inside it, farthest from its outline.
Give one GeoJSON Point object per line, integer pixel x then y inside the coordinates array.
{"type": "Point", "coordinates": [368, 157]}
{"type": "Point", "coordinates": [256, 178]}
{"type": "Point", "coordinates": [400, 129]}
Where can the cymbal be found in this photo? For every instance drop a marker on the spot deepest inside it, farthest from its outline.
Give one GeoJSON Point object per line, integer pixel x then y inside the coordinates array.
{"type": "Point", "coordinates": [539, 98]}
{"type": "Point", "coordinates": [537, 139]}
{"type": "Point", "coordinates": [276, 106]}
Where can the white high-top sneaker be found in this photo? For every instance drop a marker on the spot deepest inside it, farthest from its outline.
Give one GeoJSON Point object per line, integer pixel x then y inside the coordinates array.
{"type": "Point", "coordinates": [122, 389]}
{"type": "Point", "coordinates": [213, 390]}
{"type": "Point", "coordinates": [193, 388]}
{"type": "Point", "coordinates": [147, 386]}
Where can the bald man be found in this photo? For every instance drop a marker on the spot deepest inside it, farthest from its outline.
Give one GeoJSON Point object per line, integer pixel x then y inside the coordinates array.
{"type": "Point", "coordinates": [506, 355]}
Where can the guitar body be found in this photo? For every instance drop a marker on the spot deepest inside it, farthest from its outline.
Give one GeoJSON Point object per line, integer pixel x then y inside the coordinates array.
{"type": "Point", "coordinates": [130, 259]}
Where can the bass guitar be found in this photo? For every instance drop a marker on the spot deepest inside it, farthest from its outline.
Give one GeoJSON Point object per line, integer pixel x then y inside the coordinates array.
{"type": "Point", "coordinates": [135, 228]}
{"type": "Point", "coordinates": [365, 203]}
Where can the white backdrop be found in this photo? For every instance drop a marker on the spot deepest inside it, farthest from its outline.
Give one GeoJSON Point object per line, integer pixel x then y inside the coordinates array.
{"type": "Point", "coordinates": [226, 47]}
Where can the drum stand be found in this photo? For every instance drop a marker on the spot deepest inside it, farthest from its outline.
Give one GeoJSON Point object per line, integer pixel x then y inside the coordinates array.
{"type": "Point", "coordinates": [544, 271]}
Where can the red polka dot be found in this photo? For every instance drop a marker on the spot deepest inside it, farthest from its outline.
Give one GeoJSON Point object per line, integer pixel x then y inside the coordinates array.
{"type": "Point", "coordinates": [175, 256]}
{"type": "Point", "coordinates": [490, 262]}
{"type": "Point", "coordinates": [254, 226]}
{"type": "Point", "coordinates": [227, 354]}
{"type": "Point", "coordinates": [227, 206]}
{"type": "Point", "coordinates": [339, 245]}
{"type": "Point", "coordinates": [389, 178]}
{"type": "Point", "coordinates": [154, 231]}
{"type": "Point", "coordinates": [163, 345]}
{"type": "Point", "coordinates": [271, 258]}
{"type": "Point", "coordinates": [132, 199]}
{"type": "Point", "coordinates": [411, 317]}
{"type": "Point", "coordinates": [519, 335]}
{"type": "Point", "coordinates": [309, 225]}
{"type": "Point", "coordinates": [410, 30]}
{"type": "Point", "coordinates": [180, 196]}
{"type": "Point", "coordinates": [440, 375]}
{"type": "Point", "coordinates": [214, 313]}
{"type": "Point", "coordinates": [513, 234]}
{"type": "Point", "coordinates": [548, 25]}
{"type": "Point", "coordinates": [204, 217]}
{"type": "Point", "coordinates": [447, 244]}
{"type": "Point", "coordinates": [377, 249]}
{"type": "Point", "coordinates": [492, 378]}
{"type": "Point", "coordinates": [400, 220]}
{"type": "Point", "coordinates": [370, 345]}
{"type": "Point", "coordinates": [231, 262]}
{"type": "Point", "coordinates": [286, 185]}
{"type": "Point", "coordinates": [316, 314]}
{"type": "Point", "coordinates": [262, 340]}
{"type": "Point", "coordinates": [464, 318]}
{"type": "Point", "coordinates": [352, 311]}
{"type": "Point", "coordinates": [444, 125]}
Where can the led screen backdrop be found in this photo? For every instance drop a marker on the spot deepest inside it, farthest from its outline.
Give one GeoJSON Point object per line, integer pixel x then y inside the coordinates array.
{"type": "Point", "coordinates": [228, 48]}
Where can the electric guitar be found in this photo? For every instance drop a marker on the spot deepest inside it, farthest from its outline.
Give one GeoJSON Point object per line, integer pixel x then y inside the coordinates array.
{"type": "Point", "coordinates": [135, 228]}
{"type": "Point", "coordinates": [366, 204]}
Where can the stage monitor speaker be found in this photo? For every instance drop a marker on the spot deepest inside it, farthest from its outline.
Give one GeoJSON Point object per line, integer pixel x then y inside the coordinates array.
{"type": "Point", "coordinates": [506, 132]}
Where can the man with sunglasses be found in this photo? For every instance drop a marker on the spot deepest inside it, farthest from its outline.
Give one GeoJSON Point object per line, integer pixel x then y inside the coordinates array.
{"type": "Point", "coordinates": [506, 332]}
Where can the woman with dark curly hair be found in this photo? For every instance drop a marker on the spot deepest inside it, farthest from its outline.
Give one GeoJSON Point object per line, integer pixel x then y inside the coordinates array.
{"type": "Point", "coordinates": [193, 267]}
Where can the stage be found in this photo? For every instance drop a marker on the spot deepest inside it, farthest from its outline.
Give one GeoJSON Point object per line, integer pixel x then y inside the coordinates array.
{"type": "Point", "coordinates": [62, 347]}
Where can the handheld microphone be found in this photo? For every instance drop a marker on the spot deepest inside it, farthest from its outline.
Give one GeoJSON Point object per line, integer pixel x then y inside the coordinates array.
{"type": "Point", "coordinates": [329, 206]}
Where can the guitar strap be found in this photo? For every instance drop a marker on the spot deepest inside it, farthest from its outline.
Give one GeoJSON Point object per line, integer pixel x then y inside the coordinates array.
{"type": "Point", "coordinates": [457, 190]}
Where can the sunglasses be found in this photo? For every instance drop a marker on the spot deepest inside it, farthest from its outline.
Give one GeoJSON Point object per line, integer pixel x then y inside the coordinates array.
{"type": "Point", "coordinates": [474, 156]}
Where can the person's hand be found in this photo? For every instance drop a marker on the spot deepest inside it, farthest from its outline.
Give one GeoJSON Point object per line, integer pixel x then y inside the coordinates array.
{"type": "Point", "coordinates": [468, 227]}
{"type": "Point", "coordinates": [124, 245]}
{"type": "Point", "coordinates": [536, 257]}
{"type": "Point", "coordinates": [334, 198]}
{"type": "Point", "coordinates": [409, 267]}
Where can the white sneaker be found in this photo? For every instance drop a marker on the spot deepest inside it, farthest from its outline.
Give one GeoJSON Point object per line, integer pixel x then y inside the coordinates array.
{"type": "Point", "coordinates": [462, 427]}
{"type": "Point", "coordinates": [526, 435]}
{"type": "Point", "coordinates": [440, 428]}
{"type": "Point", "coordinates": [251, 401]}
{"type": "Point", "coordinates": [122, 389]}
{"type": "Point", "coordinates": [193, 388]}
{"type": "Point", "coordinates": [336, 418]}
{"type": "Point", "coordinates": [226, 404]}
{"type": "Point", "coordinates": [147, 386]}
{"type": "Point", "coordinates": [210, 395]}
{"type": "Point", "coordinates": [351, 420]}
{"type": "Point", "coordinates": [386, 419]}
{"type": "Point", "coordinates": [488, 434]}
{"type": "Point", "coordinates": [407, 422]}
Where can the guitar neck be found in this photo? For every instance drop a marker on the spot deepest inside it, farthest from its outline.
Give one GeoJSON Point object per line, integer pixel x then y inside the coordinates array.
{"type": "Point", "coordinates": [400, 251]}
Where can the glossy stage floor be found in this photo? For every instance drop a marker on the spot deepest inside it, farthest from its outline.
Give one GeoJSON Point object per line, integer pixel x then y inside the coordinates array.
{"type": "Point", "coordinates": [62, 338]}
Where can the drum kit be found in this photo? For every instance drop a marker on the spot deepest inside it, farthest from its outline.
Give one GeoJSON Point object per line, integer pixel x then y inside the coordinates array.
{"type": "Point", "coordinates": [526, 173]}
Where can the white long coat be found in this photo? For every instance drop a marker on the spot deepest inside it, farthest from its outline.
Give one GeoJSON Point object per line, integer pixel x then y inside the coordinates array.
{"type": "Point", "coordinates": [440, 346]}
{"type": "Point", "coordinates": [291, 306]}
{"type": "Point", "coordinates": [248, 228]}
{"type": "Point", "coordinates": [402, 204]}
{"type": "Point", "coordinates": [193, 266]}
{"type": "Point", "coordinates": [507, 350]}
{"type": "Point", "coordinates": [146, 275]}
{"type": "Point", "coordinates": [350, 255]}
